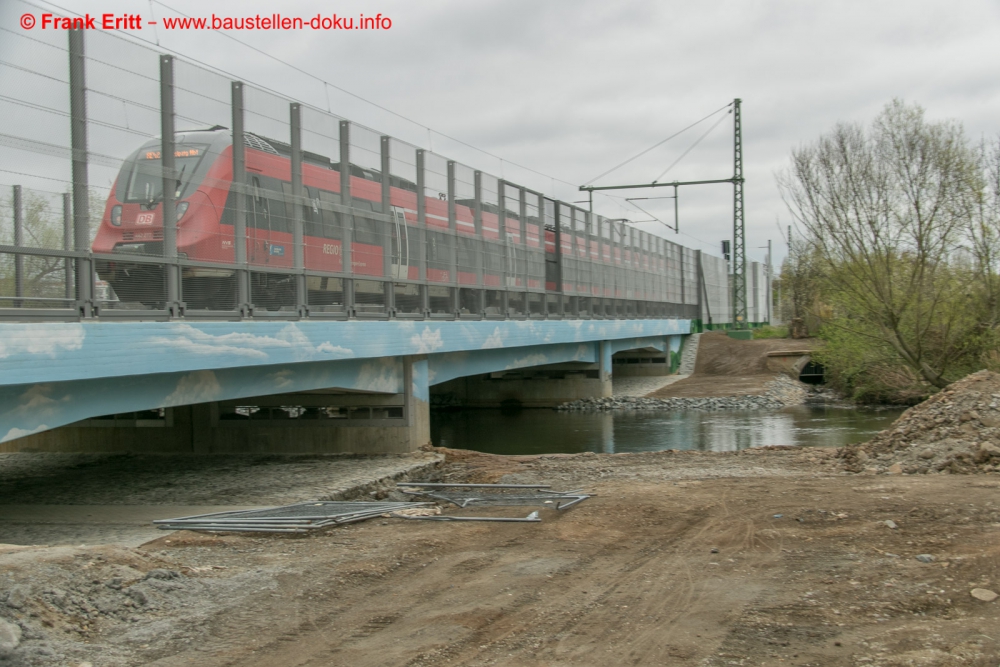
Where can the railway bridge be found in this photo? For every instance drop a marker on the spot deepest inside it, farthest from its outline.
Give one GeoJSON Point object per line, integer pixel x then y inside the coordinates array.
{"type": "Point", "coordinates": [191, 263]}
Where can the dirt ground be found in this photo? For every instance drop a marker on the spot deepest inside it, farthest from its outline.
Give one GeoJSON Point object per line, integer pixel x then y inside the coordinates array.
{"type": "Point", "coordinates": [762, 557]}
{"type": "Point", "coordinates": [729, 367]}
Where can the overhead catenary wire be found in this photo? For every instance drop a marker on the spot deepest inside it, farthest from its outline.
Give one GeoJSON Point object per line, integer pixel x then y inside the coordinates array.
{"type": "Point", "coordinates": [690, 148]}
{"type": "Point", "coordinates": [659, 143]}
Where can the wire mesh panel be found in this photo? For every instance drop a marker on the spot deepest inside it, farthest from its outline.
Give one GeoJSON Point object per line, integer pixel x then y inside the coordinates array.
{"type": "Point", "coordinates": [369, 297]}
{"type": "Point", "coordinates": [132, 284]}
{"type": "Point", "coordinates": [325, 294]}
{"type": "Point", "coordinates": [272, 292]}
{"type": "Point", "coordinates": [32, 281]}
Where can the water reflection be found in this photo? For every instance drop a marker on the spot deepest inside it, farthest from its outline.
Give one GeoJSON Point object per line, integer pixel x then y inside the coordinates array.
{"type": "Point", "coordinates": [550, 432]}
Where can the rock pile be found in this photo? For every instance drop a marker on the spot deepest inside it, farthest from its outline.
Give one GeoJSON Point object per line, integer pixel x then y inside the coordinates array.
{"type": "Point", "coordinates": [51, 607]}
{"type": "Point", "coordinates": [955, 431]}
{"type": "Point", "coordinates": [780, 392]}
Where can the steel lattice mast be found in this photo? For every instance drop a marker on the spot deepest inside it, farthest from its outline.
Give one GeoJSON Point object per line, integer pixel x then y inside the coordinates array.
{"type": "Point", "coordinates": [739, 236]}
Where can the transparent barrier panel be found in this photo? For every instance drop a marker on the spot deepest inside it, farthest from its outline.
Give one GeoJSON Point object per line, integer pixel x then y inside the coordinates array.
{"type": "Point", "coordinates": [439, 244]}
{"type": "Point", "coordinates": [469, 249]}
{"type": "Point", "coordinates": [203, 102]}
{"type": "Point", "coordinates": [323, 222]}
{"type": "Point", "coordinates": [407, 243]}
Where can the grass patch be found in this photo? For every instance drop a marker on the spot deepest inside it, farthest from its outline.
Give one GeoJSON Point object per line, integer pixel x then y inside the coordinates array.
{"type": "Point", "coordinates": [768, 331]}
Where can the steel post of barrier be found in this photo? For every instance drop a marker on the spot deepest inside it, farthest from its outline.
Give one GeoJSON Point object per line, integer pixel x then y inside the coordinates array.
{"type": "Point", "coordinates": [480, 243]}
{"type": "Point", "coordinates": [504, 246]}
{"type": "Point", "coordinates": [168, 208]}
{"type": "Point", "coordinates": [67, 207]}
{"type": "Point", "coordinates": [348, 219]}
{"type": "Point", "coordinates": [239, 204]}
{"type": "Point", "coordinates": [81, 190]}
{"type": "Point", "coordinates": [421, 233]}
{"type": "Point", "coordinates": [18, 203]}
{"type": "Point", "coordinates": [387, 254]}
{"type": "Point", "coordinates": [453, 245]}
{"type": "Point", "coordinates": [298, 259]}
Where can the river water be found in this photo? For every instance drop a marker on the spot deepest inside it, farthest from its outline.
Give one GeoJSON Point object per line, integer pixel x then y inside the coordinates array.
{"type": "Point", "coordinates": [551, 432]}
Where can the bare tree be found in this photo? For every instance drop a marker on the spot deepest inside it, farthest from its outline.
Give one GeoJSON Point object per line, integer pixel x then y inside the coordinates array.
{"type": "Point", "coordinates": [885, 207]}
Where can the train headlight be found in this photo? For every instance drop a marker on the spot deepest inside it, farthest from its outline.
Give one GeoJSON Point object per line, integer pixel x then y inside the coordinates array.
{"type": "Point", "coordinates": [181, 209]}
{"type": "Point", "coordinates": [116, 215]}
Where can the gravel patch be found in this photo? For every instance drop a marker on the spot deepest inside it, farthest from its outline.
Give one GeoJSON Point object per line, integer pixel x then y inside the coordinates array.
{"type": "Point", "coordinates": [780, 392]}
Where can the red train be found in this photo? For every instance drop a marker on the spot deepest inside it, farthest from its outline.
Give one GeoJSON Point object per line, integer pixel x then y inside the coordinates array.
{"type": "Point", "coordinates": [132, 224]}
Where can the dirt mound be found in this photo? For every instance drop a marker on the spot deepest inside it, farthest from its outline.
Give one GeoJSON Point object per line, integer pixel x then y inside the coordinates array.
{"type": "Point", "coordinates": [955, 431]}
{"type": "Point", "coordinates": [742, 362]}
{"type": "Point", "coordinates": [718, 354]}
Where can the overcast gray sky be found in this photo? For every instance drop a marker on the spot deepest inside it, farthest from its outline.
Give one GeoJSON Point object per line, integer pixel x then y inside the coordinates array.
{"type": "Point", "coordinates": [572, 88]}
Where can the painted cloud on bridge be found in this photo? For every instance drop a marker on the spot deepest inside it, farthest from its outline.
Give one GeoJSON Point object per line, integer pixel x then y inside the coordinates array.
{"type": "Point", "coordinates": [290, 338]}
{"type": "Point", "coordinates": [41, 339]}
{"type": "Point", "coordinates": [381, 375]}
{"type": "Point", "coordinates": [427, 341]}
{"type": "Point", "coordinates": [494, 340]}
{"type": "Point", "coordinates": [196, 387]}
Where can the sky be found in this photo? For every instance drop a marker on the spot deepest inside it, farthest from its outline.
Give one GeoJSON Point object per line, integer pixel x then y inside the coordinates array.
{"type": "Point", "coordinates": [553, 93]}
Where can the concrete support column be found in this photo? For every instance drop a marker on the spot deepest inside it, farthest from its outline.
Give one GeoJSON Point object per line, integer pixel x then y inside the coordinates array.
{"type": "Point", "coordinates": [417, 396]}
{"type": "Point", "coordinates": [604, 353]}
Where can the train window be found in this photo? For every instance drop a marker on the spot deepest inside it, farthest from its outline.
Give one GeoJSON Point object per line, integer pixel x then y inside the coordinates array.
{"type": "Point", "coordinates": [366, 230]}
{"type": "Point", "coordinates": [331, 224]}
{"type": "Point", "coordinates": [259, 215]}
{"type": "Point", "coordinates": [273, 191]}
{"type": "Point", "coordinates": [145, 182]}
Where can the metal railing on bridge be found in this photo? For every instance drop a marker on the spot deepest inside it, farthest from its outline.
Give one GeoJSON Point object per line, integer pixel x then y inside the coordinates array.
{"type": "Point", "coordinates": [324, 218]}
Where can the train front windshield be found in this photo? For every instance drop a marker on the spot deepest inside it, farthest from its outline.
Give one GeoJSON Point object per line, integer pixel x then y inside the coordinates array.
{"type": "Point", "coordinates": [145, 183]}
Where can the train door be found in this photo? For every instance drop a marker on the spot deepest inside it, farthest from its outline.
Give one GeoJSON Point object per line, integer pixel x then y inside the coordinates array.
{"type": "Point", "coordinates": [400, 244]}
{"type": "Point", "coordinates": [258, 223]}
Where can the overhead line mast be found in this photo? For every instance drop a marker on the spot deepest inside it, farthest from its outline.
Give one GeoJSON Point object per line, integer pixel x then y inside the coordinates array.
{"type": "Point", "coordinates": [739, 235]}
{"type": "Point", "coordinates": [739, 230]}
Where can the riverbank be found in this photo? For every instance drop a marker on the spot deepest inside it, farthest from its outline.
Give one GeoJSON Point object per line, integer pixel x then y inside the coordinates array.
{"type": "Point", "coordinates": [759, 557]}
